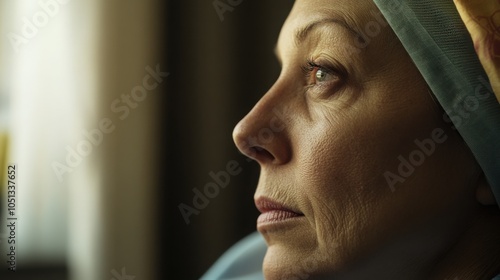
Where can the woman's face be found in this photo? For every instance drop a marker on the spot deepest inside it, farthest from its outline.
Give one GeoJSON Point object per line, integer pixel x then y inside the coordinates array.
{"type": "Point", "coordinates": [356, 161]}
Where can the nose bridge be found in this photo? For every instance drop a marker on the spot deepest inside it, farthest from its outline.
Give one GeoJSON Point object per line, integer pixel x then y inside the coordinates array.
{"type": "Point", "coordinates": [262, 133]}
{"type": "Point", "coordinates": [271, 106]}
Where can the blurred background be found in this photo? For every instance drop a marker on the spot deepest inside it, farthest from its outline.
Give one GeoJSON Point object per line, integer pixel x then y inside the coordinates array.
{"type": "Point", "coordinates": [117, 114]}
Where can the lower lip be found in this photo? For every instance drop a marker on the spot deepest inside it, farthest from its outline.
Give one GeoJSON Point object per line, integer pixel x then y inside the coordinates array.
{"type": "Point", "coordinates": [276, 217]}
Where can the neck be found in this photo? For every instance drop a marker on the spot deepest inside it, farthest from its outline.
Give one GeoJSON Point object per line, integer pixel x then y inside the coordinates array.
{"type": "Point", "coordinates": [472, 253]}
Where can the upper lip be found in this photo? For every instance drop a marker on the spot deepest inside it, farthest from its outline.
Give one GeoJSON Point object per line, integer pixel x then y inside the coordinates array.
{"type": "Point", "coordinates": [265, 204]}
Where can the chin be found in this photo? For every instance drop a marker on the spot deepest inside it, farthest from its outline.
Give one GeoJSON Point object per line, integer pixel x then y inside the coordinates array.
{"type": "Point", "coordinates": [285, 263]}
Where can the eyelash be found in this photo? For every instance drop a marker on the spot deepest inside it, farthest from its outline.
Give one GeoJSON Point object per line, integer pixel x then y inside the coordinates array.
{"type": "Point", "coordinates": [310, 68]}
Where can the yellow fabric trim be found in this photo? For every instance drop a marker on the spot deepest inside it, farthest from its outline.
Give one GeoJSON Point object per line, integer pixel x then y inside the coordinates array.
{"type": "Point", "coordinates": [482, 19]}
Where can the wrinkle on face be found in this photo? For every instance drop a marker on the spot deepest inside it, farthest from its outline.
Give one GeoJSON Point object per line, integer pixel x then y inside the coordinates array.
{"type": "Point", "coordinates": [341, 145]}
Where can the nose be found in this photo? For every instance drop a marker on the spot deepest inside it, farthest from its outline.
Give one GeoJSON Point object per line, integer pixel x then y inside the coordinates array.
{"type": "Point", "coordinates": [262, 134]}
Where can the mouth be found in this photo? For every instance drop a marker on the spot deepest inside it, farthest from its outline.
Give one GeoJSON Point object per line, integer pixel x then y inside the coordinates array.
{"type": "Point", "coordinates": [274, 214]}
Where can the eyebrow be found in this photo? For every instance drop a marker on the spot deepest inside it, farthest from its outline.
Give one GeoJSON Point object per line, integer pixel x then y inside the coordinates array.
{"type": "Point", "coordinates": [302, 33]}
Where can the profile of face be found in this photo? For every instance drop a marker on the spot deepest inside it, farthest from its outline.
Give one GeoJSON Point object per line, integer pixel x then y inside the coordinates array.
{"type": "Point", "coordinates": [360, 173]}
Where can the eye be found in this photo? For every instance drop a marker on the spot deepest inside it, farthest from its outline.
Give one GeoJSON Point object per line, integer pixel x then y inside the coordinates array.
{"type": "Point", "coordinates": [317, 74]}
{"type": "Point", "coordinates": [321, 75]}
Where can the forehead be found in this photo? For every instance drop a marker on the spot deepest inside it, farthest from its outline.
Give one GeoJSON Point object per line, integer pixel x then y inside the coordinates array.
{"type": "Point", "coordinates": [355, 12]}
{"type": "Point", "coordinates": [347, 18]}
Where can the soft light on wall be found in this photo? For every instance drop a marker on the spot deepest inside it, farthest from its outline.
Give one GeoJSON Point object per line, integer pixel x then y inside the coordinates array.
{"type": "Point", "coordinates": [63, 64]}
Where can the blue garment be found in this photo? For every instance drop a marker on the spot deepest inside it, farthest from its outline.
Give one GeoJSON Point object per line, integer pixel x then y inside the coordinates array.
{"type": "Point", "coordinates": [243, 261]}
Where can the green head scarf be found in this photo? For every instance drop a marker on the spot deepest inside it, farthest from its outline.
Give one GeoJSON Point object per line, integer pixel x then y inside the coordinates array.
{"type": "Point", "coordinates": [437, 40]}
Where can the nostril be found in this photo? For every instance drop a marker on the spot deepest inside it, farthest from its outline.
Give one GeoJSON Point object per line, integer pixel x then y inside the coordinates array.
{"type": "Point", "coordinates": [260, 154]}
{"type": "Point", "coordinates": [249, 139]}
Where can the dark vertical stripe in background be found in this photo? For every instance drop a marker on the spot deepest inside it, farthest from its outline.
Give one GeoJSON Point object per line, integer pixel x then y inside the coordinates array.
{"type": "Point", "coordinates": [219, 69]}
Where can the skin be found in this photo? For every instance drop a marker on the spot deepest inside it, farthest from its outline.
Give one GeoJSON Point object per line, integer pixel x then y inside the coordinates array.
{"type": "Point", "coordinates": [336, 137]}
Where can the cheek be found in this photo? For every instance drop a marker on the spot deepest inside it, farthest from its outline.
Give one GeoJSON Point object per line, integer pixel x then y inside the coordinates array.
{"type": "Point", "coordinates": [336, 169]}
{"type": "Point", "coordinates": [342, 161]}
